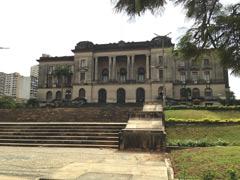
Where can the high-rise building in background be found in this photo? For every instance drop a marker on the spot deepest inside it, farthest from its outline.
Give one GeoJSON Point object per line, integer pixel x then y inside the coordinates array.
{"type": "Point", "coordinates": [24, 88]}
{"type": "Point", "coordinates": [2, 83]}
{"type": "Point", "coordinates": [16, 86]}
{"type": "Point", "coordinates": [12, 82]}
{"type": "Point", "coordinates": [34, 81]}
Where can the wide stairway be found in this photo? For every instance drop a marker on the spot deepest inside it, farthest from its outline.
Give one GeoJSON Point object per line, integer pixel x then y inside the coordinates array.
{"type": "Point", "coordinates": [74, 134]}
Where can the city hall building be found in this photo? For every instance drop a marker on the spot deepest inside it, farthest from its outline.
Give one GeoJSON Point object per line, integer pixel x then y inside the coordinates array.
{"type": "Point", "coordinates": [129, 72]}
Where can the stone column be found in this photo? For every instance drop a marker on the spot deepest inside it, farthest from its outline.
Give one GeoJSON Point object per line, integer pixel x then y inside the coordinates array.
{"type": "Point", "coordinates": [128, 68]}
{"type": "Point", "coordinates": [147, 66]}
{"type": "Point", "coordinates": [114, 69]}
{"type": "Point", "coordinates": [96, 69]}
{"type": "Point", "coordinates": [133, 68]}
{"type": "Point", "coordinates": [109, 68]}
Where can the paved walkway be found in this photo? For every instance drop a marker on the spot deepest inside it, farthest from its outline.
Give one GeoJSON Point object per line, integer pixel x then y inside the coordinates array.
{"type": "Point", "coordinates": [31, 163]}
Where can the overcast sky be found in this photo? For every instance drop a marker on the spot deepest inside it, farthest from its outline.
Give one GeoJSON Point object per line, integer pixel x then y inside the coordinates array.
{"type": "Point", "coordinates": [31, 28]}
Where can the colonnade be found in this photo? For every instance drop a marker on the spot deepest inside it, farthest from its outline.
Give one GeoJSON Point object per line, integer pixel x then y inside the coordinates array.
{"type": "Point", "coordinates": [112, 68]}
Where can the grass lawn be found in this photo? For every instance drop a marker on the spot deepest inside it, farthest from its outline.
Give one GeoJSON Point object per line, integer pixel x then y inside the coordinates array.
{"type": "Point", "coordinates": [196, 160]}
{"type": "Point", "coordinates": [199, 114]}
{"type": "Point", "coordinates": [229, 133]}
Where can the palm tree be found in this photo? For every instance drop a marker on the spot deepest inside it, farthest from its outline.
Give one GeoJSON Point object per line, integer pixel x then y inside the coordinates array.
{"type": "Point", "coordinates": [138, 7]}
{"type": "Point", "coordinates": [60, 72]}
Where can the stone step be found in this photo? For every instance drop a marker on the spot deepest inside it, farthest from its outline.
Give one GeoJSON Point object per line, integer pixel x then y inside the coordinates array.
{"type": "Point", "coordinates": [60, 133]}
{"type": "Point", "coordinates": [65, 134]}
{"type": "Point", "coordinates": [61, 145]}
{"type": "Point", "coordinates": [61, 137]}
{"type": "Point", "coordinates": [61, 124]}
{"type": "Point", "coordinates": [60, 130]}
{"type": "Point", "coordinates": [46, 141]}
{"type": "Point", "coordinates": [61, 127]}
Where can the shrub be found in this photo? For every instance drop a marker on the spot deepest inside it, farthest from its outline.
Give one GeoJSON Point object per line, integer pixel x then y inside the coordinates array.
{"type": "Point", "coordinates": [212, 108]}
{"type": "Point", "coordinates": [200, 143]}
{"type": "Point", "coordinates": [7, 103]}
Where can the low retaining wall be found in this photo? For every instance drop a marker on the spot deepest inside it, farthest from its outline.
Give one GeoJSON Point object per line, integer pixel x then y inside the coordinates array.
{"type": "Point", "coordinates": [84, 114]}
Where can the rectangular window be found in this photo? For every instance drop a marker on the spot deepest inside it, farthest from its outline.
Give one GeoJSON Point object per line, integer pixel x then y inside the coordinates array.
{"type": "Point", "coordinates": [70, 68]}
{"type": "Point", "coordinates": [50, 69]}
{"type": "Point", "coordinates": [50, 82]}
{"type": "Point", "coordinates": [207, 75]}
{"type": "Point", "coordinates": [194, 62]}
{"type": "Point", "coordinates": [195, 76]}
{"type": "Point", "coordinates": [160, 60]}
{"type": "Point", "coordinates": [82, 76]}
{"type": "Point", "coordinates": [161, 75]}
{"type": "Point", "coordinates": [183, 76]}
{"type": "Point", "coordinates": [182, 63]}
{"type": "Point", "coordinates": [83, 63]}
{"type": "Point", "coordinates": [206, 62]}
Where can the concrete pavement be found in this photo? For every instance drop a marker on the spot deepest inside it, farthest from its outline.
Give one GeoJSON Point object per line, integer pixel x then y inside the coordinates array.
{"type": "Point", "coordinates": [31, 163]}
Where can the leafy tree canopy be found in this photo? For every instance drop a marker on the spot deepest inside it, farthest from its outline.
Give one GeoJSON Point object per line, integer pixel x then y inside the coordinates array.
{"type": "Point", "coordinates": [216, 28]}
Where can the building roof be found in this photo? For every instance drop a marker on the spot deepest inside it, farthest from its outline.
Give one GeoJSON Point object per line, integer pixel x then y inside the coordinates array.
{"type": "Point", "coordinates": [63, 58]}
{"type": "Point", "coordinates": [157, 42]}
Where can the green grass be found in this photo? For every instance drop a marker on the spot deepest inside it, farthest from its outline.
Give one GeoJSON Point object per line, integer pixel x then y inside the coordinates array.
{"type": "Point", "coordinates": [200, 114]}
{"type": "Point", "coordinates": [196, 160]}
{"type": "Point", "coordinates": [199, 132]}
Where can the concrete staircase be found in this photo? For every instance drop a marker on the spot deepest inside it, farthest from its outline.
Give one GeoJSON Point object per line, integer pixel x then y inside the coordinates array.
{"type": "Point", "coordinates": [72, 134]}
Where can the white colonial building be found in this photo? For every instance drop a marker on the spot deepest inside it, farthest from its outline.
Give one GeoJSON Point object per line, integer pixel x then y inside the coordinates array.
{"type": "Point", "coordinates": [129, 72]}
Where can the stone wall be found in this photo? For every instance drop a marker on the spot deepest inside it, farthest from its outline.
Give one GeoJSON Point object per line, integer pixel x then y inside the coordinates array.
{"type": "Point", "coordinates": [83, 114]}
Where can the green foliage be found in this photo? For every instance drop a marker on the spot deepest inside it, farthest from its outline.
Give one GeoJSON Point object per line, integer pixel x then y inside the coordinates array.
{"type": "Point", "coordinates": [210, 175]}
{"type": "Point", "coordinates": [7, 103]}
{"type": "Point", "coordinates": [232, 174]}
{"type": "Point", "coordinates": [215, 31]}
{"type": "Point", "coordinates": [197, 143]}
{"type": "Point", "coordinates": [138, 7]}
{"type": "Point", "coordinates": [184, 176]}
{"type": "Point", "coordinates": [207, 162]}
{"type": "Point", "coordinates": [212, 108]}
{"type": "Point", "coordinates": [203, 120]}
{"type": "Point", "coordinates": [20, 105]}
{"type": "Point", "coordinates": [32, 103]}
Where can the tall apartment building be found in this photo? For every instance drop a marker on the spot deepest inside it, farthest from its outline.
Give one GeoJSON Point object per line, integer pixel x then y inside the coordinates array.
{"type": "Point", "coordinates": [12, 83]}
{"type": "Point", "coordinates": [127, 72]}
{"type": "Point", "coordinates": [34, 81]}
{"type": "Point", "coordinates": [24, 88]}
{"type": "Point", "coordinates": [2, 83]}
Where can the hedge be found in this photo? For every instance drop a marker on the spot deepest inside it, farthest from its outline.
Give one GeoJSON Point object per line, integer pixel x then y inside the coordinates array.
{"type": "Point", "coordinates": [203, 120]}
{"type": "Point", "coordinates": [182, 107]}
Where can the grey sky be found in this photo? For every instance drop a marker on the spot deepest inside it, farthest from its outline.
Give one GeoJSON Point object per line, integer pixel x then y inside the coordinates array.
{"type": "Point", "coordinates": [33, 27]}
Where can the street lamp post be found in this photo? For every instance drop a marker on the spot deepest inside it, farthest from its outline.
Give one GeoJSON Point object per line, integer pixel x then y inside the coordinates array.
{"type": "Point", "coordinates": [164, 68]}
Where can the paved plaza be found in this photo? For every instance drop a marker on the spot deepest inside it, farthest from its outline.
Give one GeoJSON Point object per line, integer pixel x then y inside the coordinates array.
{"type": "Point", "coordinates": [36, 163]}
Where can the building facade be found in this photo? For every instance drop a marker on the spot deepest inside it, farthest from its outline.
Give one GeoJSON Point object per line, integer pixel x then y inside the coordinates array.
{"type": "Point", "coordinates": [12, 84]}
{"type": "Point", "coordinates": [2, 83]}
{"type": "Point", "coordinates": [34, 81]}
{"type": "Point", "coordinates": [133, 72]}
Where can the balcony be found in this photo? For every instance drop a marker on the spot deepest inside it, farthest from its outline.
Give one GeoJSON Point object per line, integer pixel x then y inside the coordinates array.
{"type": "Point", "coordinates": [182, 67]}
{"type": "Point", "coordinates": [83, 67]}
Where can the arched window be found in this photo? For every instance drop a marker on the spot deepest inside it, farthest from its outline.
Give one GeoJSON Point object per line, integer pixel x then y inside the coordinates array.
{"type": "Point", "coordinates": [102, 96]}
{"type": "Point", "coordinates": [49, 96]}
{"type": "Point", "coordinates": [121, 95]}
{"type": "Point", "coordinates": [183, 93]}
{"type": "Point", "coordinates": [141, 74]}
{"type": "Point", "coordinates": [123, 74]}
{"type": "Point", "coordinates": [105, 75]}
{"type": "Point", "coordinates": [208, 92]}
{"type": "Point", "coordinates": [59, 81]}
{"type": "Point", "coordinates": [160, 92]}
{"type": "Point", "coordinates": [140, 95]}
{"type": "Point", "coordinates": [195, 93]}
{"type": "Point", "coordinates": [68, 95]}
{"type": "Point", "coordinates": [82, 93]}
{"type": "Point", "coordinates": [58, 95]}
